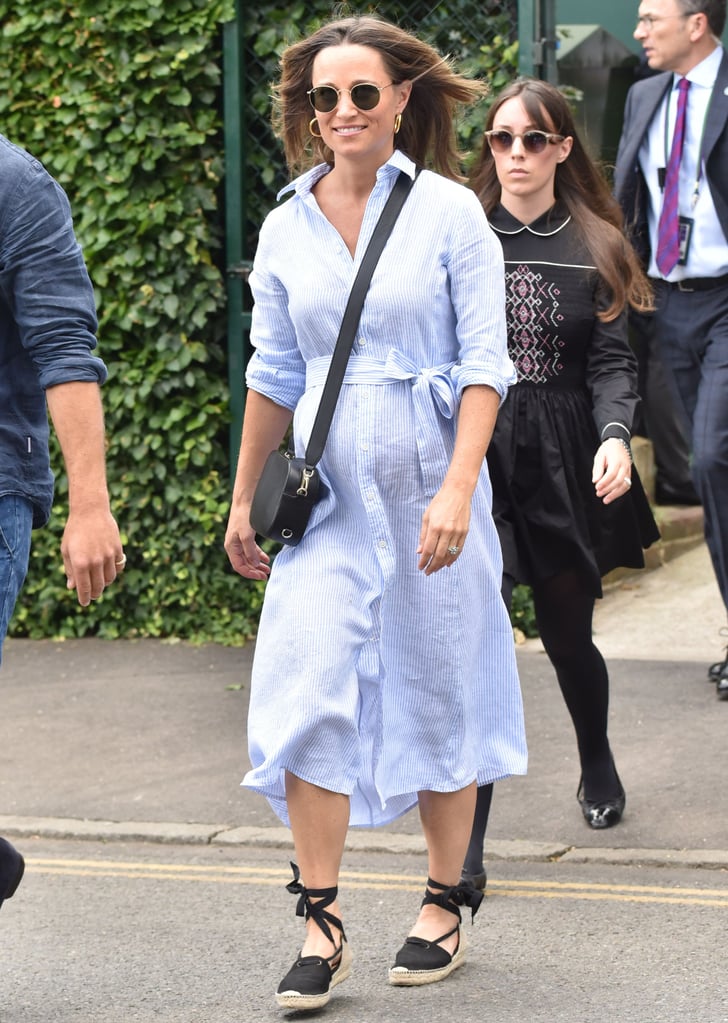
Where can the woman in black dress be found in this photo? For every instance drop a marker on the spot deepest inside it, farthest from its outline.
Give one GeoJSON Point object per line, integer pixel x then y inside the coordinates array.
{"type": "Point", "coordinates": [567, 501]}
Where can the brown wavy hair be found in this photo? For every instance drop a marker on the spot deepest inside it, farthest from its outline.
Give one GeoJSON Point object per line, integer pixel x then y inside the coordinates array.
{"type": "Point", "coordinates": [427, 134]}
{"type": "Point", "coordinates": [580, 185]}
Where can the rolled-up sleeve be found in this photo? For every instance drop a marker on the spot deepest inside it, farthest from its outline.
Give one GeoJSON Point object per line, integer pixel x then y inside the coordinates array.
{"type": "Point", "coordinates": [46, 284]}
{"type": "Point", "coordinates": [276, 368]}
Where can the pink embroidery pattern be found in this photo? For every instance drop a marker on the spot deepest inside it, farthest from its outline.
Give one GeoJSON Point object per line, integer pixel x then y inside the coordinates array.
{"type": "Point", "coordinates": [534, 344]}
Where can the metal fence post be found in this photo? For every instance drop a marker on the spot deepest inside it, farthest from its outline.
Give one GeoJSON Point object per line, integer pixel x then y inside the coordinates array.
{"type": "Point", "coordinates": [548, 35]}
{"type": "Point", "coordinates": [238, 321]}
{"type": "Point", "coordinates": [526, 37]}
{"type": "Point", "coordinates": [537, 39]}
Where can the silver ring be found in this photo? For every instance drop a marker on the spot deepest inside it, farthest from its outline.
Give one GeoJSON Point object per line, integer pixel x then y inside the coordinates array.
{"type": "Point", "coordinates": [627, 481]}
{"type": "Point", "coordinates": [122, 563]}
{"type": "Point", "coordinates": [453, 550]}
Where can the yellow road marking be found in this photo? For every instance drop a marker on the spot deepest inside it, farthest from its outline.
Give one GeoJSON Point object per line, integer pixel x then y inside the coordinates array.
{"type": "Point", "coordinates": [274, 876]}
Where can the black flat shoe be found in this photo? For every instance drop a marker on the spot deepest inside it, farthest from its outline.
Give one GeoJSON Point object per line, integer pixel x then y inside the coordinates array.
{"type": "Point", "coordinates": [720, 667]}
{"type": "Point", "coordinates": [425, 962]}
{"type": "Point", "coordinates": [478, 881]}
{"type": "Point", "coordinates": [602, 813]}
{"type": "Point", "coordinates": [716, 670]}
{"type": "Point", "coordinates": [308, 983]}
{"type": "Point", "coordinates": [721, 687]}
{"type": "Point", "coordinates": [12, 868]}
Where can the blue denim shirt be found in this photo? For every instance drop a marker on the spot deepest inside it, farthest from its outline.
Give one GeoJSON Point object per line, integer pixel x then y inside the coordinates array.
{"type": "Point", "coordinates": [47, 320]}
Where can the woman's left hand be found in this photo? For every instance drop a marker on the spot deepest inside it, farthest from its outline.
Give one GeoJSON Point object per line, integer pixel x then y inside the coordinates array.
{"type": "Point", "coordinates": [612, 472]}
{"type": "Point", "coordinates": [445, 527]}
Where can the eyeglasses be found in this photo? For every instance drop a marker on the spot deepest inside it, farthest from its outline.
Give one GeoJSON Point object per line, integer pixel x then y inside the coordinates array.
{"type": "Point", "coordinates": [647, 21]}
{"type": "Point", "coordinates": [366, 96]}
{"type": "Point", "coordinates": [534, 141]}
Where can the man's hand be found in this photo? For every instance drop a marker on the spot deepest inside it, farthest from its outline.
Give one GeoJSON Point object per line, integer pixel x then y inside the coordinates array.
{"type": "Point", "coordinates": [92, 553]}
{"type": "Point", "coordinates": [91, 546]}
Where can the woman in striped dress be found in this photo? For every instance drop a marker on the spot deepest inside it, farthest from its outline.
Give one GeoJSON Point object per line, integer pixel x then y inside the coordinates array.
{"type": "Point", "coordinates": [384, 674]}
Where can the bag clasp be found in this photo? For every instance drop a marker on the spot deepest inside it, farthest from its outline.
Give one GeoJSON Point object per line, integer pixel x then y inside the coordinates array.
{"type": "Point", "coordinates": [306, 475]}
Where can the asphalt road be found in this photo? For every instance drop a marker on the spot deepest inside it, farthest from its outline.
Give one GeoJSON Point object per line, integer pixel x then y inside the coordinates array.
{"type": "Point", "coordinates": [155, 884]}
{"type": "Point", "coordinates": [182, 934]}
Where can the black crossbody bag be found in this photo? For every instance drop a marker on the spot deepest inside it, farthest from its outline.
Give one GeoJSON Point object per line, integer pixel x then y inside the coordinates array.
{"type": "Point", "coordinates": [290, 486]}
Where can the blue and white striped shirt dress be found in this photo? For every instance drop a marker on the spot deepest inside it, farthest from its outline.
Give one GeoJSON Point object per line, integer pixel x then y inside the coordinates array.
{"type": "Point", "coordinates": [370, 678]}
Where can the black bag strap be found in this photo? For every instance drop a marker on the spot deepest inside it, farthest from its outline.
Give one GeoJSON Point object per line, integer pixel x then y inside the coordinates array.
{"type": "Point", "coordinates": [352, 313]}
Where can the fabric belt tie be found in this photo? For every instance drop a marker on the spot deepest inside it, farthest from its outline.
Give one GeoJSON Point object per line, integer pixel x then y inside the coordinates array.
{"type": "Point", "coordinates": [433, 391]}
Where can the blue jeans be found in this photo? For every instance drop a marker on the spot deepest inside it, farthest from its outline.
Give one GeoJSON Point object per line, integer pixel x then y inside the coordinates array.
{"type": "Point", "coordinates": [16, 523]}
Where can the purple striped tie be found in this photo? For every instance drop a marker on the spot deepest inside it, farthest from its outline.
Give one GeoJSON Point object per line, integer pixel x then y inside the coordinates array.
{"type": "Point", "coordinates": [668, 230]}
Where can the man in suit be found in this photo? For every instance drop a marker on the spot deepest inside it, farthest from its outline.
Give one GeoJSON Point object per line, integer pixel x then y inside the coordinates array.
{"type": "Point", "coordinates": [675, 200]}
{"type": "Point", "coordinates": [660, 418]}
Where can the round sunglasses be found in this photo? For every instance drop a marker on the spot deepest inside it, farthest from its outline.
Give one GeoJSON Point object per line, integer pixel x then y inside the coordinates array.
{"type": "Point", "coordinates": [534, 141]}
{"type": "Point", "coordinates": [325, 98]}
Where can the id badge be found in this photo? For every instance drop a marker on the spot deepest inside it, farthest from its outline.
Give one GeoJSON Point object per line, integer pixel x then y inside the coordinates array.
{"type": "Point", "coordinates": [686, 233]}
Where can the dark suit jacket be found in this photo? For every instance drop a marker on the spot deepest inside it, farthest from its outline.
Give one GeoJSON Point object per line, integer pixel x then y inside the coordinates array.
{"type": "Point", "coordinates": [643, 100]}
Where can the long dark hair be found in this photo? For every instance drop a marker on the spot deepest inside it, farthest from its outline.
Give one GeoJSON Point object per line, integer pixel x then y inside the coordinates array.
{"type": "Point", "coordinates": [581, 187]}
{"type": "Point", "coordinates": [427, 133]}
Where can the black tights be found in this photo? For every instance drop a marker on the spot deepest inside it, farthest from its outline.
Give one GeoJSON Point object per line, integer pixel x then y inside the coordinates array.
{"type": "Point", "coordinates": [564, 608]}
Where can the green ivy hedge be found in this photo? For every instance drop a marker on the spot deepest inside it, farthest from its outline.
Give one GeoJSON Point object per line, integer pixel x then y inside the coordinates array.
{"type": "Point", "coordinates": [121, 102]}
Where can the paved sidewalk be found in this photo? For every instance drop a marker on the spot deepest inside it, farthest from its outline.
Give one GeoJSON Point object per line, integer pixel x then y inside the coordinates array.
{"type": "Point", "coordinates": [146, 740]}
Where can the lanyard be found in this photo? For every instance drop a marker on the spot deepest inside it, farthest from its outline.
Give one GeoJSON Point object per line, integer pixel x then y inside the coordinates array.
{"type": "Point", "coordinates": [699, 171]}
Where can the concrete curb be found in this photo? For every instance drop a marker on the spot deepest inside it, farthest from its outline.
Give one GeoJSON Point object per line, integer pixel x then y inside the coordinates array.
{"type": "Point", "coordinates": [357, 841]}
{"type": "Point", "coordinates": [110, 831]}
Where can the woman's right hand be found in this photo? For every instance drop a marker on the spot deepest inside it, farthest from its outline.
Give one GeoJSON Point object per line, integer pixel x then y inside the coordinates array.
{"type": "Point", "coordinates": [246, 557]}
{"type": "Point", "coordinates": [264, 425]}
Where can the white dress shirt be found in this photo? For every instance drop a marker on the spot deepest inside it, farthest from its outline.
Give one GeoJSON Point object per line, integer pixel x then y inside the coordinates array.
{"type": "Point", "coordinates": [708, 251]}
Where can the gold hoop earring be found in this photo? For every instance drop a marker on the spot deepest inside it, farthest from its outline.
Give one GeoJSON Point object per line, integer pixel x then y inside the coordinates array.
{"type": "Point", "coordinates": [316, 134]}
{"type": "Point", "coordinates": [397, 122]}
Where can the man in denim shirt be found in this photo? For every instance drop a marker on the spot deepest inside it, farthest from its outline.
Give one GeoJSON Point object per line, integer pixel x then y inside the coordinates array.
{"type": "Point", "coordinates": [47, 335]}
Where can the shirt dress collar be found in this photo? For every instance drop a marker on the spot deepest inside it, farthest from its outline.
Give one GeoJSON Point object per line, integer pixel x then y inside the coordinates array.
{"type": "Point", "coordinates": [550, 222]}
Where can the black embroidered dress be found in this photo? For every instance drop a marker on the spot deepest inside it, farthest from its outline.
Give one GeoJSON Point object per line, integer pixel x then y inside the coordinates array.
{"type": "Point", "coordinates": [576, 386]}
